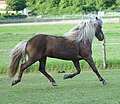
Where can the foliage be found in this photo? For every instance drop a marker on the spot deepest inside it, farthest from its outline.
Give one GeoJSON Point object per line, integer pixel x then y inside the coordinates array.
{"type": "Point", "coordinates": [63, 6]}
{"type": "Point", "coordinates": [16, 5]}
{"type": "Point", "coordinates": [118, 4]}
{"type": "Point", "coordinates": [12, 16]}
{"type": "Point", "coordinates": [70, 6]}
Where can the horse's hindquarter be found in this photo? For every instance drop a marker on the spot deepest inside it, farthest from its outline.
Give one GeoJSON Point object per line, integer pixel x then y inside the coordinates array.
{"type": "Point", "coordinates": [60, 47]}
{"type": "Point", "coordinates": [36, 46]}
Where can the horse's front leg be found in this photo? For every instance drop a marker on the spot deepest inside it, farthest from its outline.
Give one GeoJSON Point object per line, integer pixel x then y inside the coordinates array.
{"type": "Point", "coordinates": [77, 66]}
{"type": "Point", "coordinates": [90, 61]}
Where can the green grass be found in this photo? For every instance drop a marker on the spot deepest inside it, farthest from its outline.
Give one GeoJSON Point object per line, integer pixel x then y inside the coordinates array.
{"type": "Point", "coordinates": [82, 89]}
{"type": "Point", "coordinates": [11, 35]}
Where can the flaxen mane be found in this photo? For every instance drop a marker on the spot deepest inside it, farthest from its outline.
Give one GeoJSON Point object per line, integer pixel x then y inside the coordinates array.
{"type": "Point", "coordinates": [83, 31]}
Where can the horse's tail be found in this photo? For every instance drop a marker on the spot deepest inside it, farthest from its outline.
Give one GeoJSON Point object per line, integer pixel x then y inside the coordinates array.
{"type": "Point", "coordinates": [17, 53]}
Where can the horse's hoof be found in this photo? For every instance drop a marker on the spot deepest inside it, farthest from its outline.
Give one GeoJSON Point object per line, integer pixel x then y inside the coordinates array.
{"type": "Point", "coordinates": [13, 82]}
{"type": "Point", "coordinates": [65, 76]}
{"type": "Point", "coordinates": [54, 83]}
{"type": "Point", "coordinates": [104, 82]}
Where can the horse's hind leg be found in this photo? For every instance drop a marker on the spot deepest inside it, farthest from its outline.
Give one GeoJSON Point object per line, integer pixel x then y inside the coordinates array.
{"type": "Point", "coordinates": [22, 68]}
{"type": "Point", "coordinates": [92, 65]}
{"type": "Point", "coordinates": [77, 66]}
{"type": "Point", "coordinates": [42, 64]}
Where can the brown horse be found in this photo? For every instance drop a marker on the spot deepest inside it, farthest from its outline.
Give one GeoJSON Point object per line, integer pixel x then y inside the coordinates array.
{"type": "Point", "coordinates": [75, 45]}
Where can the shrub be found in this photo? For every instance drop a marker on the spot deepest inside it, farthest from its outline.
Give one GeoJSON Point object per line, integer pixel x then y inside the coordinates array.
{"type": "Point", "coordinates": [12, 16]}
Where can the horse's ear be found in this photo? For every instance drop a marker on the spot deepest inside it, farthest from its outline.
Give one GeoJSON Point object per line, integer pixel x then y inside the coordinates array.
{"type": "Point", "coordinates": [96, 18]}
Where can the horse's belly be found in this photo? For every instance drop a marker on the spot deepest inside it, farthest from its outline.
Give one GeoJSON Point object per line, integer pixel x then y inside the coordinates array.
{"type": "Point", "coordinates": [62, 50]}
{"type": "Point", "coordinates": [65, 55]}
{"type": "Point", "coordinates": [64, 58]}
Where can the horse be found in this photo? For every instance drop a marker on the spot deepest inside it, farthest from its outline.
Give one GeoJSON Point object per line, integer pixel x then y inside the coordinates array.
{"type": "Point", "coordinates": [74, 46]}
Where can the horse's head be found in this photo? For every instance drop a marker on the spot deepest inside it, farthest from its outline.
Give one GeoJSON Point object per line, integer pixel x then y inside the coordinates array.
{"type": "Point", "coordinates": [99, 33]}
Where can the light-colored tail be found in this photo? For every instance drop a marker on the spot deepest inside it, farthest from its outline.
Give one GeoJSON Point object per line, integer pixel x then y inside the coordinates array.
{"type": "Point", "coordinates": [17, 53]}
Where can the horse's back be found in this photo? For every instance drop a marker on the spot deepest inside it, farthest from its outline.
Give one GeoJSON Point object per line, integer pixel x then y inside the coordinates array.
{"type": "Point", "coordinates": [42, 44]}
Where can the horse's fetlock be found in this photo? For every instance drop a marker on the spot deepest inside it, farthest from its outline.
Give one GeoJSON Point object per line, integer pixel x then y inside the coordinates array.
{"type": "Point", "coordinates": [78, 72]}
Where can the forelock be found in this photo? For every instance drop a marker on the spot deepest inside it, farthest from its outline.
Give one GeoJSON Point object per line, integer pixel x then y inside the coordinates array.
{"type": "Point", "coordinates": [96, 21]}
{"type": "Point", "coordinates": [100, 22]}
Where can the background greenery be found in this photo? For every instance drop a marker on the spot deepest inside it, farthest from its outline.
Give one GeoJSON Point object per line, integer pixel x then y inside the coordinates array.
{"type": "Point", "coordinates": [63, 6]}
{"type": "Point", "coordinates": [11, 35]}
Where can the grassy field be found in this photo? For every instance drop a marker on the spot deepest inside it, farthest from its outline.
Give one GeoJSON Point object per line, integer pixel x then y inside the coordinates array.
{"type": "Point", "coordinates": [11, 35]}
{"type": "Point", "coordinates": [83, 89]}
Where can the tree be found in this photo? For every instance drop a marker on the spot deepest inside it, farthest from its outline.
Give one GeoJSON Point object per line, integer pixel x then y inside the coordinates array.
{"type": "Point", "coordinates": [52, 7]}
{"type": "Point", "coordinates": [89, 6]}
{"type": "Point", "coordinates": [105, 4]}
{"type": "Point", "coordinates": [118, 4]}
{"type": "Point", "coordinates": [78, 5]}
{"type": "Point", "coordinates": [64, 6]}
{"type": "Point", "coordinates": [16, 5]}
{"type": "Point", "coordinates": [70, 6]}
